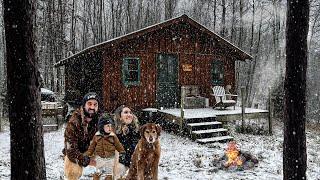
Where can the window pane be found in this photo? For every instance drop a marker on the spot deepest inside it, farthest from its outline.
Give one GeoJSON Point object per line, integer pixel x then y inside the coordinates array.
{"type": "Point", "coordinates": [132, 64]}
{"type": "Point", "coordinates": [133, 75]}
{"type": "Point", "coordinates": [217, 72]}
{"type": "Point", "coordinates": [131, 71]}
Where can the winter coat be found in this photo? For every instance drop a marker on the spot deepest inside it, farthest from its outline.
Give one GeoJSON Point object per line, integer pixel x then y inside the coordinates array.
{"type": "Point", "coordinates": [78, 135]}
{"type": "Point", "coordinates": [104, 145]}
{"type": "Point", "coordinates": [129, 142]}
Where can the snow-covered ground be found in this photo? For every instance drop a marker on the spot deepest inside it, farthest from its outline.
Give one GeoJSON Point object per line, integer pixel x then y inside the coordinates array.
{"type": "Point", "coordinates": [184, 159]}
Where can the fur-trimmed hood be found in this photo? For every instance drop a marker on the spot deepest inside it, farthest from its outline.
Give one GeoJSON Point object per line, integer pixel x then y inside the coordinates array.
{"type": "Point", "coordinates": [98, 133]}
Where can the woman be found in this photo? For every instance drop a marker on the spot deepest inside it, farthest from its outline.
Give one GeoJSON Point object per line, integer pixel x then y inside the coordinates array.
{"type": "Point", "coordinates": [127, 130]}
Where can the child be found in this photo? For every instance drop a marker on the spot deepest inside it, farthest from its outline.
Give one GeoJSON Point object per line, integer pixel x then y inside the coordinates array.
{"type": "Point", "coordinates": [102, 147]}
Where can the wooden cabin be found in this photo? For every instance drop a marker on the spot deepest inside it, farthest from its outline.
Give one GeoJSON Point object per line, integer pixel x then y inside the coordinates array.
{"type": "Point", "coordinates": [148, 67]}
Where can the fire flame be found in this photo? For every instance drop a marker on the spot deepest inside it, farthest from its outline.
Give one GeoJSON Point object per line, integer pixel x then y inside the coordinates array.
{"type": "Point", "coordinates": [233, 156]}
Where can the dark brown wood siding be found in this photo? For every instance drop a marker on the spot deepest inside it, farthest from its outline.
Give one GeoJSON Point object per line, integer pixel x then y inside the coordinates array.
{"type": "Point", "coordinates": [83, 76]}
{"type": "Point", "coordinates": [192, 47]}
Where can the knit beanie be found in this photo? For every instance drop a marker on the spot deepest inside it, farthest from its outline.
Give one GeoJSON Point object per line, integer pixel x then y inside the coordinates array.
{"type": "Point", "coordinates": [102, 122]}
{"type": "Point", "coordinates": [90, 95]}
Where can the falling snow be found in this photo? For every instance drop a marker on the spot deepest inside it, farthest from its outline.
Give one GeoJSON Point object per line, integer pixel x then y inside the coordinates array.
{"type": "Point", "coordinates": [184, 159]}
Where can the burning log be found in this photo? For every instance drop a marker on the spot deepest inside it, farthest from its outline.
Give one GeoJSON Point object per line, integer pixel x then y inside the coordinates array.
{"type": "Point", "coordinates": [235, 159]}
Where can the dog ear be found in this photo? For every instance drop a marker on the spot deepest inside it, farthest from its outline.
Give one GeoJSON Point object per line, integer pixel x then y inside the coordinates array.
{"type": "Point", "coordinates": [142, 129]}
{"type": "Point", "coordinates": [159, 129]}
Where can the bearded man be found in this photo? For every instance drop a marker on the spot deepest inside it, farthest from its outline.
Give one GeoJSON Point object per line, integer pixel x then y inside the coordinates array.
{"type": "Point", "coordinates": [80, 130]}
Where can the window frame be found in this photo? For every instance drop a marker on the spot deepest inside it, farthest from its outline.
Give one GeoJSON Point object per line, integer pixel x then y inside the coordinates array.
{"type": "Point", "coordinates": [125, 71]}
{"type": "Point", "coordinates": [217, 64]}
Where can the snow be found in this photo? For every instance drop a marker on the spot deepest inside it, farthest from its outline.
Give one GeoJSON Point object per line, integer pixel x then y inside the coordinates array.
{"type": "Point", "coordinates": [46, 91]}
{"type": "Point", "coordinates": [210, 112]}
{"type": "Point", "coordinates": [184, 159]}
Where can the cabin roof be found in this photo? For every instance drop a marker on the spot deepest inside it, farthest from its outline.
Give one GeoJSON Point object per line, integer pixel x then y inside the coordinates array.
{"type": "Point", "coordinates": [183, 18]}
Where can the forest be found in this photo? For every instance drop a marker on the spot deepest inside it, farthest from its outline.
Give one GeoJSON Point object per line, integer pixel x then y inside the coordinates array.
{"type": "Point", "coordinates": [64, 27]}
{"type": "Point", "coordinates": [281, 36]}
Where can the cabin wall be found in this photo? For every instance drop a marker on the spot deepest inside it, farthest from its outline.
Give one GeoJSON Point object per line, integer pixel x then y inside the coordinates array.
{"type": "Point", "coordinates": [83, 76]}
{"type": "Point", "coordinates": [192, 46]}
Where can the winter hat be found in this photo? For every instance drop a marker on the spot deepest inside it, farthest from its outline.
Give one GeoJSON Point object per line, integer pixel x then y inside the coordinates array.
{"type": "Point", "coordinates": [88, 96]}
{"type": "Point", "coordinates": [104, 121]}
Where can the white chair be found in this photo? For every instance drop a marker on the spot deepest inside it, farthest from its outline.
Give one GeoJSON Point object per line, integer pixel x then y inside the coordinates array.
{"type": "Point", "coordinates": [220, 96]}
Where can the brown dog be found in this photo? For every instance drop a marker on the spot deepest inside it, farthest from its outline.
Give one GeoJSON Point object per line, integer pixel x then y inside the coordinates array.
{"type": "Point", "coordinates": [146, 156]}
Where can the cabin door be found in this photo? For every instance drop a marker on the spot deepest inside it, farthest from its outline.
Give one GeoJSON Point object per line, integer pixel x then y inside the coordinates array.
{"type": "Point", "coordinates": [167, 80]}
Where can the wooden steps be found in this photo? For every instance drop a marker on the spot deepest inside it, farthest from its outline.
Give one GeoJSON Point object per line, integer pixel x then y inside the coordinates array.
{"type": "Point", "coordinates": [207, 131]}
{"type": "Point", "coordinates": [204, 123]}
{"type": "Point", "coordinates": [214, 139]}
{"type": "Point", "coordinates": [50, 127]}
{"type": "Point", "coordinates": [201, 126]}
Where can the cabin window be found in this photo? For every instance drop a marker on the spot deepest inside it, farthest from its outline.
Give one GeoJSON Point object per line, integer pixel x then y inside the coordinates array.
{"type": "Point", "coordinates": [217, 72]}
{"type": "Point", "coordinates": [131, 71]}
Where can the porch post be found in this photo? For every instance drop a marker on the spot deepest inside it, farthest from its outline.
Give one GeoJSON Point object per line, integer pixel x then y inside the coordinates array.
{"type": "Point", "coordinates": [1, 112]}
{"type": "Point", "coordinates": [182, 107]}
{"type": "Point", "coordinates": [270, 112]}
{"type": "Point", "coordinates": [243, 97]}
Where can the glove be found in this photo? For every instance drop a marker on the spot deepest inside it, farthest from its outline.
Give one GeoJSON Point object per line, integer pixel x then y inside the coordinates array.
{"type": "Point", "coordinates": [85, 161]}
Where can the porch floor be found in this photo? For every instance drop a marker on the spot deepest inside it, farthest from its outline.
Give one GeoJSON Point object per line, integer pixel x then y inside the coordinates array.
{"type": "Point", "coordinates": [210, 112]}
{"type": "Point", "coordinates": [205, 125]}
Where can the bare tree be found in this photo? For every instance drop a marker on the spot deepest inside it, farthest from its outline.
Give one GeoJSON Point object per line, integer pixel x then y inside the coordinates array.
{"type": "Point", "coordinates": [233, 21]}
{"type": "Point", "coordinates": [50, 42]}
{"type": "Point", "coordinates": [72, 47]}
{"type": "Point", "coordinates": [223, 18]}
{"type": "Point", "coordinates": [60, 35]}
{"type": "Point", "coordinates": [254, 63]}
{"type": "Point", "coordinates": [294, 144]}
{"type": "Point", "coordinates": [170, 6]}
{"type": "Point", "coordinates": [27, 155]}
{"type": "Point", "coordinates": [129, 14]}
{"type": "Point", "coordinates": [276, 33]}
{"type": "Point", "coordinates": [241, 24]}
{"type": "Point", "coordinates": [214, 14]}
{"type": "Point", "coordinates": [3, 62]}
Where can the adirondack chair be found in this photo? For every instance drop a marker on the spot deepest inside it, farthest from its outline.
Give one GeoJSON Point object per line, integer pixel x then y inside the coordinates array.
{"type": "Point", "coordinates": [221, 98]}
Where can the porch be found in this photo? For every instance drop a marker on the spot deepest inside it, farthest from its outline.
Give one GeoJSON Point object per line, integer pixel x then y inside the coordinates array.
{"type": "Point", "coordinates": [204, 125]}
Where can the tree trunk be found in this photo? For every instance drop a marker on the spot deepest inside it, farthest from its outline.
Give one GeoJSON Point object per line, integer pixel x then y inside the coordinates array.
{"type": "Point", "coordinates": [73, 27]}
{"type": "Point", "coordinates": [170, 6]}
{"type": "Point", "coordinates": [294, 144]}
{"type": "Point", "coordinates": [214, 14]}
{"type": "Point", "coordinates": [252, 64]}
{"type": "Point", "coordinates": [139, 14]}
{"type": "Point", "coordinates": [276, 32]}
{"type": "Point", "coordinates": [50, 39]}
{"type": "Point", "coordinates": [240, 41]}
{"type": "Point", "coordinates": [129, 16]}
{"type": "Point", "coordinates": [223, 18]}
{"type": "Point", "coordinates": [233, 21]}
{"type": "Point", "coordinates": [3, 78]}
{"type": "Point", "coordinates": [113, 19]}
{"type": "Point", "coordinates": [241, 23]}
{"type": "Point", "coordinates": [100, 21]}
{"type": "Point", "coordinates": [27, 155]}
{"type": "Point", "coordinates": [59, 48]}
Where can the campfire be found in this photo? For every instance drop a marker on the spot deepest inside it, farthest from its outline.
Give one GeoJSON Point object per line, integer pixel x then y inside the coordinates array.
{"type": "Point", "coordinates": [232, 154]}
{"type": "Point", "coordinates": [235, 159]}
